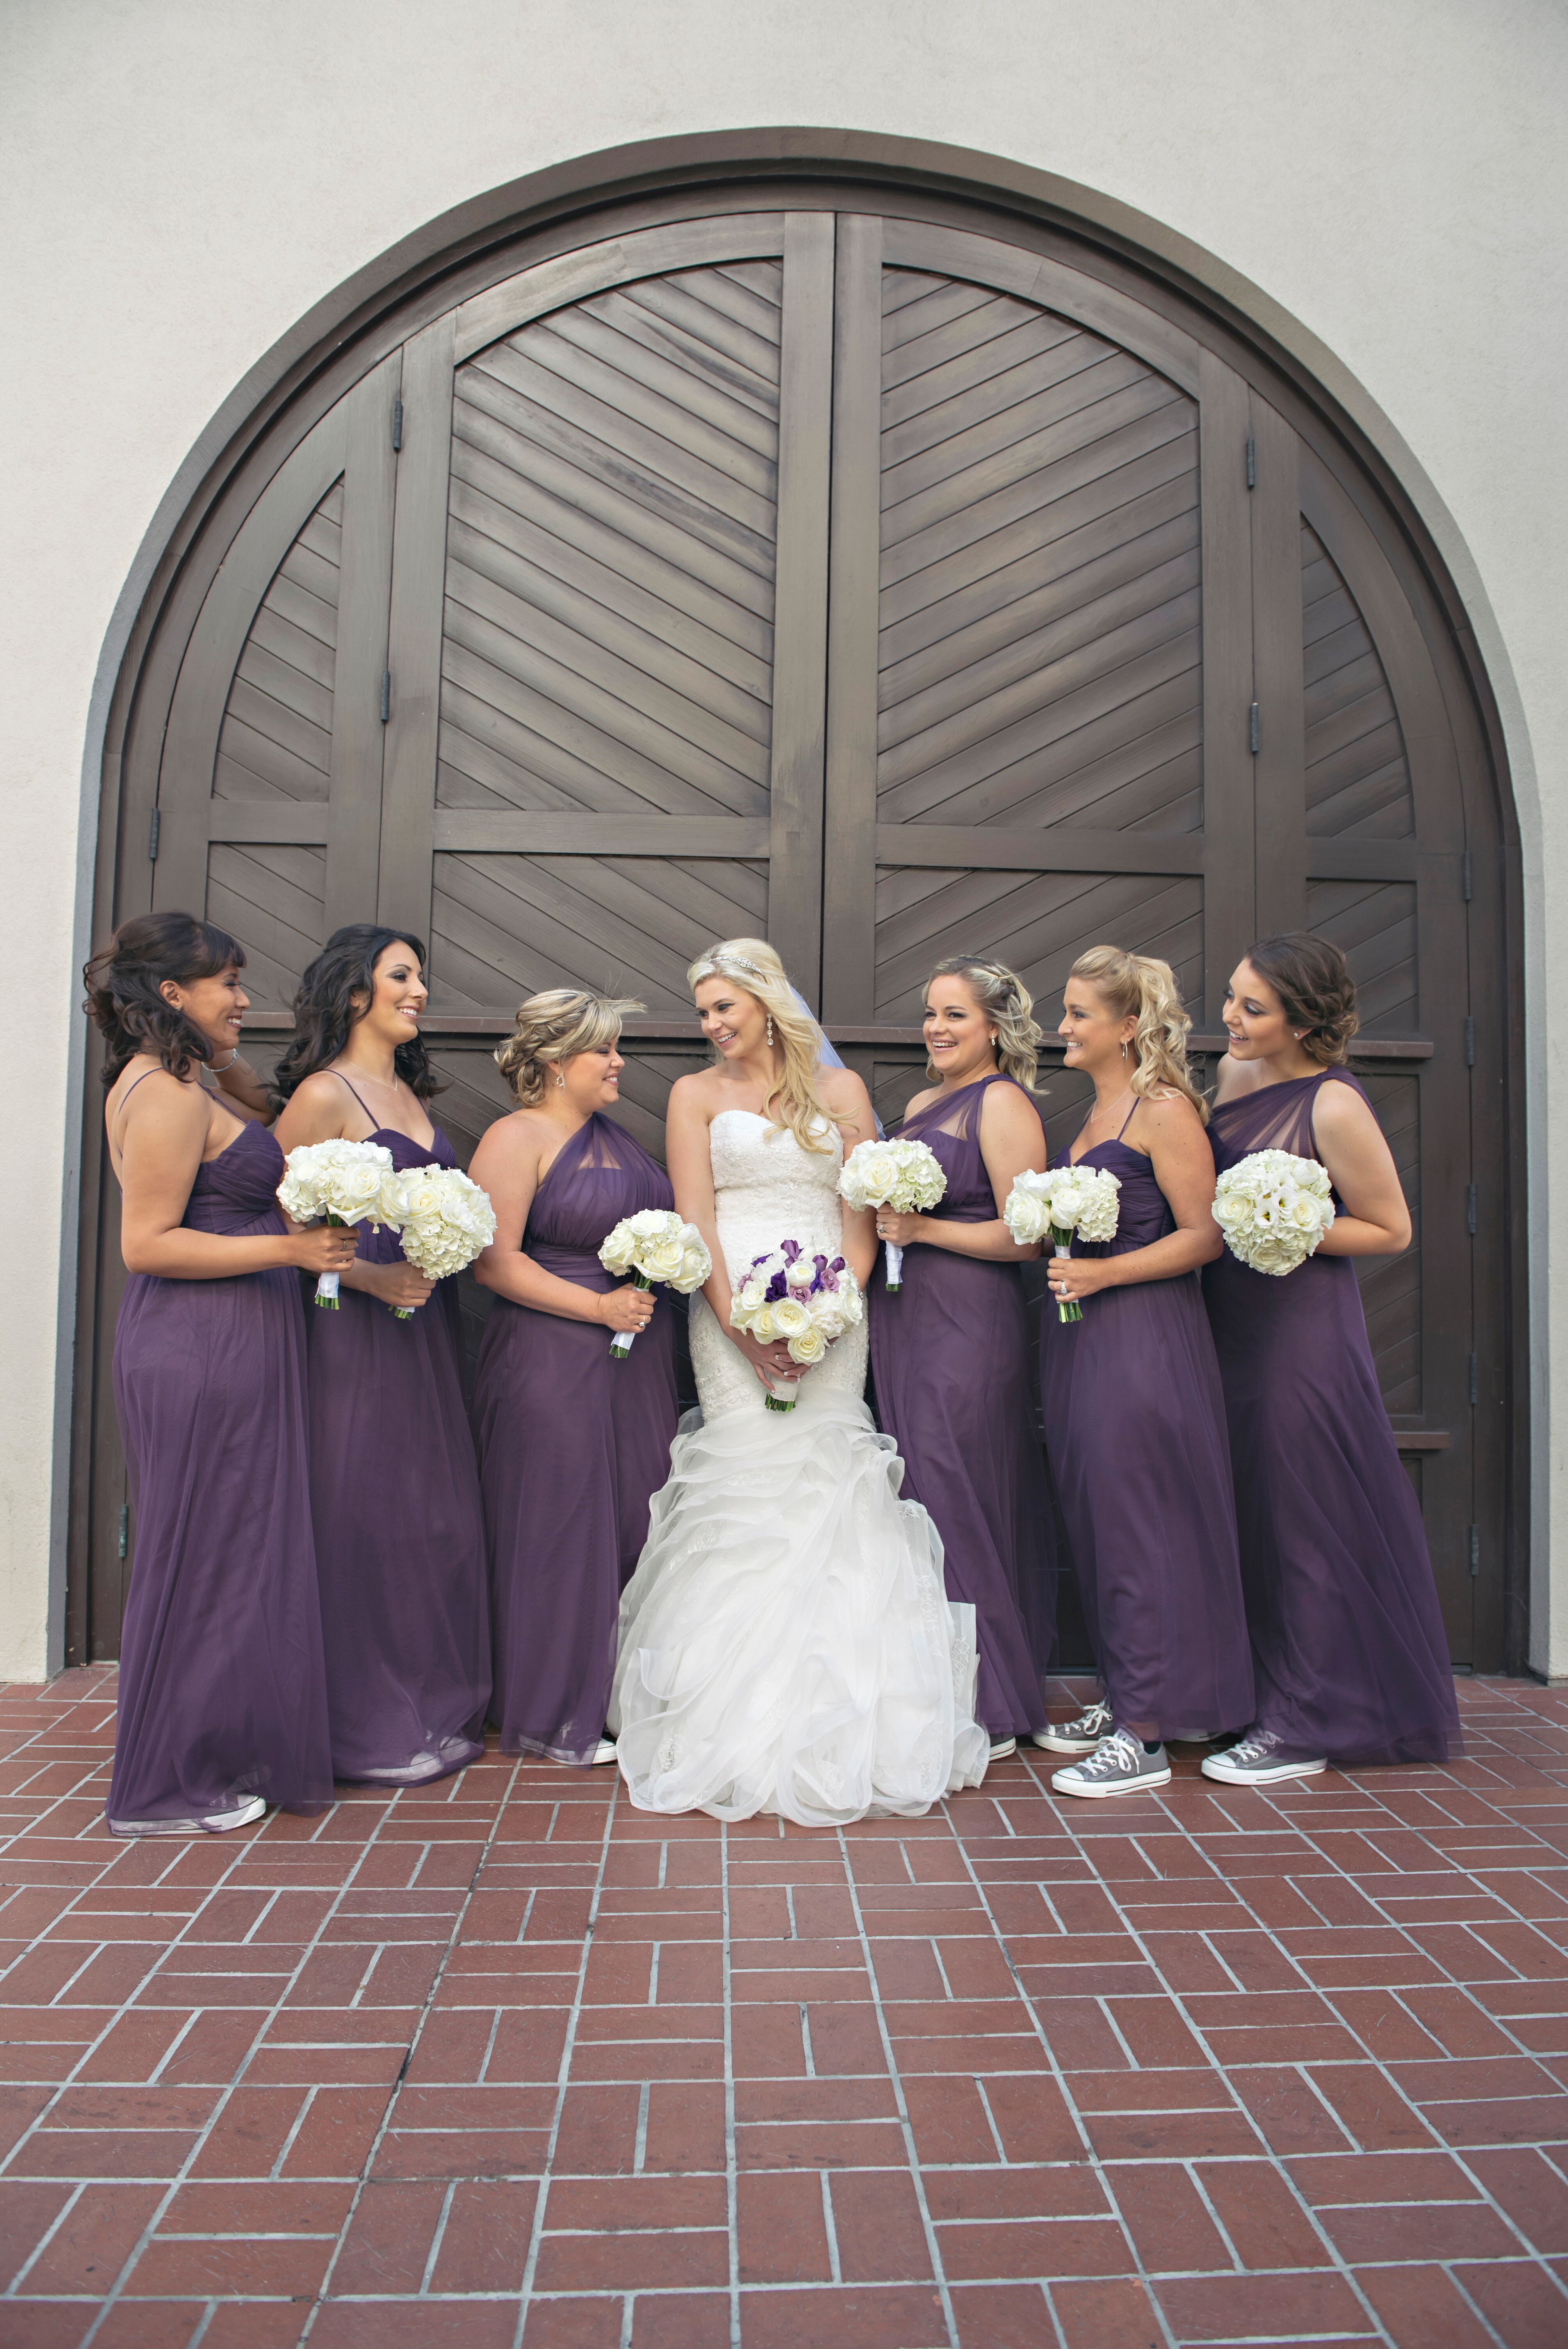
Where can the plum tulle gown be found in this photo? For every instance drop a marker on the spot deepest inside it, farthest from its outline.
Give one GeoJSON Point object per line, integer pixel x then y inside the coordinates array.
{"type": "Point", "coordinates": [1135, 1426]}
{"type": "Point", "coordinates": [572, 1446]}
{"type": "Point", "coordinates": [950, 1355]}
{"type": "Point", "coordinates": [1348, 1635]}
{"type": "Point", "coordinates": [222, 1690]}
{"type": "Point", "coordinates": [399, 1535]}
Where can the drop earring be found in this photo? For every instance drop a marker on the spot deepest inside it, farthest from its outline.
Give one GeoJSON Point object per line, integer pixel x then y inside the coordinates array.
{"type": "Point", "coordinates": [1124, 1051]}
{"type": "Point", "coordinates": [561, 1080]}
{"type": "Point", "coordinates": [771, 1031]}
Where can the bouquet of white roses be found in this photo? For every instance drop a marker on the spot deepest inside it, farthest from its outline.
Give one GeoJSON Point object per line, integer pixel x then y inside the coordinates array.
{"type": "Point", "coordinates": [1274, 1208]}
{"type": "Point", "coordinates": [655, 1245]}
{"type": "Point", "coordinates": [1085, 1199]}
{"type": "Point", "coordinates": [445, 1219]}
{"type": "Point", "coordinates": [347, 1182]}
{"type": "Point", "coordinates": [807, 1300]}
{"type": "Point", "coordinates": [904, 1176]}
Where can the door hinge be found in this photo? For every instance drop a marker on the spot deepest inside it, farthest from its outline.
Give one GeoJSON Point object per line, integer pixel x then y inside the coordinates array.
{"type": "Point", "coordinates": [124, 1527]}
{"type": "Point", "coordinates": [1466, 876]}
{"type": "Point", "coordinates": [397, 424]}
{"type": "Point", "coordinates": [386, 695]}
{"type": "Point", "coordinates": [1254, 734]}
{"type": "Point", "coordinates": [1475, 1549]}
{"type": "Point", "coordinates": [1471, 1208]}
{"type": "Point", "coordinates": [1252, 464]}
{"type": "Point", "coordinates": [1474, 1379]}
{"type": "Point", "coordinates": [1470, 1043]}
{"type": "Point", "coordinates": [153, 839]}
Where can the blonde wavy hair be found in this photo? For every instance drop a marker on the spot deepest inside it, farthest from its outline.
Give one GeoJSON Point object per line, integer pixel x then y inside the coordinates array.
{"type": "Point", "coordinates": [753, 966]}
{"type": "Point", "coordinates": [1141, 987]}
{"type": "Point", "coordinates": [1004, 999]}
{"type": "Point", "coordinates": [555, 1025]}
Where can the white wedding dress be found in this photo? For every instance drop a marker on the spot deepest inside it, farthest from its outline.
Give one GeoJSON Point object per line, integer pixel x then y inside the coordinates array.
{"type": "Point", "coordinates": [786, 1643]}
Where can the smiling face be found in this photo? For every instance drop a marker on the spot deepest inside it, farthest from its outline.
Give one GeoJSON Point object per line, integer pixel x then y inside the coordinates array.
{"type": "Point", "coordinates": [960, 1041]}
{"type": "Point", "coordinates": [1093, 1033]}
{"type": "Point", "coordinates": [1254, 1018]}
{"type": "Point", "coordinates": [592, 1079]}
{"type": "Point", "coordinates": [734, 1022]}
{"type": "Point", "coordinates": [397, 998]}
{"type": "Point", "coordinates": [217, 1006]}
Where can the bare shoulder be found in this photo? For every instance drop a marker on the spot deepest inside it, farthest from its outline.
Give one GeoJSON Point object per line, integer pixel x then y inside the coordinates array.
{"type": "Point", "coordinates": [841, 1089]}
{"type": "Point", "coordinates": [1341, 1114]}
{"type": "Point", "coordinates": [695, 1094]}
{"type": "Point", "coordinates": [323, 1096]}
{"type": "Point", "coordinates": [162, 1100]}
{"type": "Point", "coordinates": [518, 1134]}
{"type": "Point", "coordinates": [1007, 1113]}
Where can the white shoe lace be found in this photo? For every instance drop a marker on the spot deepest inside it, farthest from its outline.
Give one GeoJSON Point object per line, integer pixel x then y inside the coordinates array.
{"type": "Point", "coordinates": [1094, 1721]}
{"type": "Point", "coordinates": [1113, 1756]}
{"type": "Point", "coordinates": [1253, 1749]}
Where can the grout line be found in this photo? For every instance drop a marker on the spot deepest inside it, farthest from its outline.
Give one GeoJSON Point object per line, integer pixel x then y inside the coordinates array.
{"type": "Point", "coordinates": [45, 2240]}
{"type": "Point", "coordinates": [653, 1997]}
{"type": "Point", "coordinates": [640, 2151]}
{"type": "Point", "coordinates": [806, 2040]}
{"type": "Point", "coordinates": [731, 2175]}
{"type": "Point", "coordinates": [434, 2253]}
{"type": "Point", "coordinates": [835, 2270]}
{"type": "Point", "coordinates": [991, 2121]}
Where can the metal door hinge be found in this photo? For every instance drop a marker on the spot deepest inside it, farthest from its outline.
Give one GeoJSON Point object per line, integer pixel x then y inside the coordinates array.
{"type": "Point", "coordinates": [1470, 1043]}
{"type": "Point", "coordinates": [386, 695]}
{"type": "Point", "coordinates": [1474, 1379]}
{"type": "Point", "coordinates": [1475, 1549]}
{"type": "Point", "coordinates": [1466, 876]}
{"type": "Point", "coordinates": [1252, 464]}
{"type": "Point", "coordinates": [124, 1527]}
{"type": "Point", "coordinates": [1254, 731]}
{"type": "Point", "coordinates": [1470, 1207]}
{"type": "Point", "coordinates": [153, 839]}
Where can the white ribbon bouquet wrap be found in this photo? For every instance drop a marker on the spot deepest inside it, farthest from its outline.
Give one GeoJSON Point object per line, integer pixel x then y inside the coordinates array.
{"type": "Point", "coordinates": [1085, 1199]}
{"type": "Point", "coordinates": [1274, 1209]}
{"type": "Point", "coordinates": [807, 1300]}
{"type": "Point", "coordinates": [346, 1181]}
{"type": "Point", "coordinates": [444, 1220]}
{"type": "Point", "coordinates": [906, 1177]}
{"type": "Point", "coordinates": [655, 1246]}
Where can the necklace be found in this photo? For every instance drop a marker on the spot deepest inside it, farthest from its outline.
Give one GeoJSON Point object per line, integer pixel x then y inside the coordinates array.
{"type": "Point", "coordinates": [1126, 1094]}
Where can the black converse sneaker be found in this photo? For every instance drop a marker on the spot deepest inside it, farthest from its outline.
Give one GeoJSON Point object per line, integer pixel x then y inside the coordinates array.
{"type": "Point", "coordinates": [1080, 1736]}
{"type": "Point", "coordinates": [1119, 1766]}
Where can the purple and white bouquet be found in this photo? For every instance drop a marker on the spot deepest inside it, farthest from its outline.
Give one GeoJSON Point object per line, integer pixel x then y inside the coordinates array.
{"type": "Point", "coordinates": [807, 1300]}
{"type": "Point", "coordinates": [652, 1245]}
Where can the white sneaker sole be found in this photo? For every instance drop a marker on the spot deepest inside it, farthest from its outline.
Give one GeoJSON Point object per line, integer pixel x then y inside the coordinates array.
{"type": "Point", "coordinates": [1003, 1748]}
{"type": "Point", "coordinates": [604, 1752]}
{"type": "Point", "coordinates": [1214, 1766]}
{"type": "Point", "coordinates": [1142, 1784]}
{"type": "Point", "coordinates": [1053, 1742]}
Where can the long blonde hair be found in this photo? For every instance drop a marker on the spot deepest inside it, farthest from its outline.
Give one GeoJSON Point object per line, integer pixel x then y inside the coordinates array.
{"type": "Point", "coordinates": [1003, 998]}
{"type": "Point", "coordinates": [1141, 987]}
{"type": "Point", "coordinates": [555, 1026]}
{"type": "Point", "coordinates": [754, 967]}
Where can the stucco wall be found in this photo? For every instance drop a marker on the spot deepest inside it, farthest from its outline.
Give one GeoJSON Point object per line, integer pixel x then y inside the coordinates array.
{"type": "Point", "coordinates": [184, 178]}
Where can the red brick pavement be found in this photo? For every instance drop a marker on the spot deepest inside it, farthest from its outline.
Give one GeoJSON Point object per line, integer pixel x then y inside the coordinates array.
{"type": "Point", "coordinates": [509, 2064]}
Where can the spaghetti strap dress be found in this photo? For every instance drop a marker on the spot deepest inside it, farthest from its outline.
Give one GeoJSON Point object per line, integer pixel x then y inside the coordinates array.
{"type": "Point", "coordinates": [1135, 1427]}
{"type": "Point", "coordinates": [949, 1357]}
{"type": "Point", "coordinates": [399, 1534]}
{"type": "Point", "coordinates": [572, 1446]}
{"type": "Point", "coordinates": [223, 1695]}
{"type": "Point", "coordinates": [1347, 1634]}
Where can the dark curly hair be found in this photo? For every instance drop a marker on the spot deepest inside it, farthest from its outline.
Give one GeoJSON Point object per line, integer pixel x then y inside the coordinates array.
{"type": "Point", "coordinates": [1317, 992]}
{"type": "Point", "coordinates": [123, 981]}
{"type": "Point", "coordinates": [324, 1011]}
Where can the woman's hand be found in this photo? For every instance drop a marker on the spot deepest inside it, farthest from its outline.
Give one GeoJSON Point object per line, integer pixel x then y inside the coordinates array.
{"type": "Point", "coordinates": [900, 1230]}
{"type": "Point", "coordinates": [626, 1307]}
{"type": "Point", "coordinates": [324, 1247]}
{"type": "Point", "coordinates": [1074, 1278]}
{"type": "Point", "coordinates": [397, 1284]}
{"type": "Point", "coordinates": [770, 1361]}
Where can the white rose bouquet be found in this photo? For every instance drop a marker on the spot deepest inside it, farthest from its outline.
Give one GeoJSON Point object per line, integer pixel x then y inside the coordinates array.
{"type": "Point", "coordinates": [1274, 1208]}
{"type": "Point", "coordinates": [904, 1176]}
{"type": "Point", "coordinates": [808, 1301]}
{"type": "Point", "coordinates": [1085, 1199]}
{"type": "Point", "coordinates": [655, 1246]}
{"type": "Point", "coordinates": [346, 1183]}
{"type": "Point", "coordinates": [444, 1220]}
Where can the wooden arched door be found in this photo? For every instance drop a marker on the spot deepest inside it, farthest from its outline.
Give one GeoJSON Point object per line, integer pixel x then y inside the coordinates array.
{"type": "Point", "coordinates": [888, 578]}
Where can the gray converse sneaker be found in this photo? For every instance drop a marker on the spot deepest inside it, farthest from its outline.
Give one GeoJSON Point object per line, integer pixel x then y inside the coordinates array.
{"type": "Point", "coordinates": [1080, 1736]}
{"type": "Point", "coordinates": [1000, 1747]}
{"type": "Point", "coordinates": [1259, 1760]}
{"type": "Point", "coordinates": [1119, 1766]}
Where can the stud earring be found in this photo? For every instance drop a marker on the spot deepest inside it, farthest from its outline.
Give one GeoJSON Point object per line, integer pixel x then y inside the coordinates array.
{"type": "Point", "coordinates": [1300, 1033]}
{"type": "Point", "coordinates": [771, 1031]}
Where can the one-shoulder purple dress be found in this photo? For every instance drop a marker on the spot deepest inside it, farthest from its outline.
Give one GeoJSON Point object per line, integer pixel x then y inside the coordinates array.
{"type": "Point", "coordinates": [950, 1355]}
{"type": "Point", "coordinates": [1347, 1636]}
{"type": "Point", "coordinates": [1135, 1426]}
{"type": "Point", "coordinates": [399, 1533]}
{"type": "Point", "coordinates": [222, 1690]}
{"type": "Point", "coordinates": [572, 1446]}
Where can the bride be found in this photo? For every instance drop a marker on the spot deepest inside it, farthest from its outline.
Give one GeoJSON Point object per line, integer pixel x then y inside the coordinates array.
{"type": "Point", "coordinates": [786, 1643]}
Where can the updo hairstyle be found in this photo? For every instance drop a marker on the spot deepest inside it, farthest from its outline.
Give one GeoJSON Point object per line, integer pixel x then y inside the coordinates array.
{"type": "Point", "coordinates": [1142, 988]}
{"type": "Point", "coordinates": [124, 978]}
{"type": "Point", "coordinates": [1317, 993]}
{"type": "Point", "coordinates": [555, 1025]}
{"type": "Point", "coordinates": [324, 1011]}
{"type": "Point", "coordinates": [753, 966]}
{"type": "Point", "coordinates": [1004, 1000]}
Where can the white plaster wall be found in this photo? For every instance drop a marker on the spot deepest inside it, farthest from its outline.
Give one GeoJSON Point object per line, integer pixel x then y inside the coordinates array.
{"type": "Point", "coordinates": [181, 179]}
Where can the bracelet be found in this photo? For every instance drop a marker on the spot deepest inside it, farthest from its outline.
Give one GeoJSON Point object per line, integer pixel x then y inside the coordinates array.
{"type": "Point", "coordinates": [228, 1064]}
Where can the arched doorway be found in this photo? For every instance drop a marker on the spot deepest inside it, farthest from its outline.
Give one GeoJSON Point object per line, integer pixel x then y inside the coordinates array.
{"type": "Point", "coordinates": [888, 567]}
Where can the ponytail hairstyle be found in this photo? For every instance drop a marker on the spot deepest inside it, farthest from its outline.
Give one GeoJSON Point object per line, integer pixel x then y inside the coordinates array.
{"type": "Point", "coordinates": [1141, 987]}
{"type": "Point", "coordinates": [754, 967]}
{"type": "Point", "coordinates": [1004, 999]}
{"type": "Point", "coordinates": [123, 982]}
{"type": "Point", "coordinates": [555, 1026]}
{"type": "Point", "coordinates": [324, 1011]}
{"type": "Point", "coordinates": [1315, 991]}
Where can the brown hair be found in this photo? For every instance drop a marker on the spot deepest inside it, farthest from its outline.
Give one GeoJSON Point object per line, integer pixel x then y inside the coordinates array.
{"type": "Point", "coordinates": [556, 1025]}
{"type": "Point", "coordinates": [124, 980]}
{"type": "Point", "coordinates": [1002, 996]}
{"type": "Point", "coordinates": [1142, 988]}
{"type": "Point", "coordinates": [1317, 993]}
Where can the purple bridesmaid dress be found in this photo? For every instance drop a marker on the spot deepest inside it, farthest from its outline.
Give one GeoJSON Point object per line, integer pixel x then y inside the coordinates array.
{"type": "Point", "coordinates": [399, 1533]}
{"type": "Point", "coordinates": [572, 1448]}
{"type": "Point", "coordinates": [1348, 1637]}
{"type": "Point", "coordinates": [1135, 1426]}
{"type": "Point", "coordinates": [221, 1693]}
{"type": "Point", "coordinates": [950, 1356]}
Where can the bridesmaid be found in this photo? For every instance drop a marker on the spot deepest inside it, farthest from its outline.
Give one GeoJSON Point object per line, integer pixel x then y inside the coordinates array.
{"type": "Point", "coordinates": [399, 1535]}
{"type": "Point", "coordinates": [222, 1702]}
{"type": "Point", "coordinates": [949, 1348]}
{"type": "Point", "coordinates": [1134, 1415]}
{"type": "Point", "coordinates": [572, 1445]}
{"type": "Point", "coordinates": [1348, 1637]}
